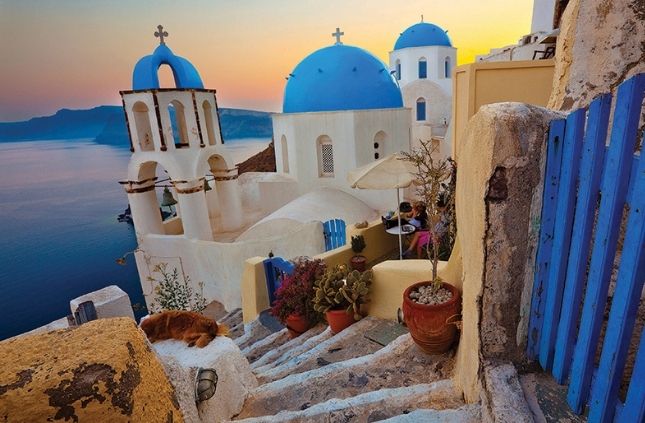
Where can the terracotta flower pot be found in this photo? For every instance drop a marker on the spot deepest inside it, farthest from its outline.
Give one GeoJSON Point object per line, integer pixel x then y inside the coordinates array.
{"type": "Point", "coordinates": [358, 263]}
{"type": "Point", "coordinates": [297, 324]}
{"type": "Point", "coordinates": [339, 320]}
{"type": "Point", "coordinates": [429, 325]}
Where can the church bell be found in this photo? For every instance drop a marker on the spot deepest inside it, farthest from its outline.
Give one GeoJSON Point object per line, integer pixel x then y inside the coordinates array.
{"type": "Point", "coordinates": [167, 200]}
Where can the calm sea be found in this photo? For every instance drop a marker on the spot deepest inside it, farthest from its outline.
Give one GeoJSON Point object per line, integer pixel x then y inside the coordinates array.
{"type": "Point", "coordinates": [59, 234]}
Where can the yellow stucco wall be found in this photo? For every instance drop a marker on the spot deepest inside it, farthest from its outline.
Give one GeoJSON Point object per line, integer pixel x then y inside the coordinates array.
{"type": "Point", "coordinates": [476, 84]}
{"type": "Point", "coordinates": [378, 244]}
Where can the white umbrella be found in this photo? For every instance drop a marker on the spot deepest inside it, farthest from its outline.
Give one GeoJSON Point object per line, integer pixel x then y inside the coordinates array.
{"type": "Point", "coordinates": [391, 172]}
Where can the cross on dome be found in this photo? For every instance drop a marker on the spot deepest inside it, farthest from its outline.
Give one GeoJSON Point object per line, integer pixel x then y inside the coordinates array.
{"type": "Point", "coordinates": [160, 33]}
{"type": "Point", "coordinates": [337, 34]}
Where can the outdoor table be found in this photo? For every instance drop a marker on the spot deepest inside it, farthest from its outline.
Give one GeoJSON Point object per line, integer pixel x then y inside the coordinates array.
{"type": "Point", "coordinates": [401, 230]}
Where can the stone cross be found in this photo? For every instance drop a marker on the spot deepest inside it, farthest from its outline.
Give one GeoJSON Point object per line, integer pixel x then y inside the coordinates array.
{"type": "Point", "coordinates": [337, 34]}
{"type": "Point", "coordinates": [160, 33]}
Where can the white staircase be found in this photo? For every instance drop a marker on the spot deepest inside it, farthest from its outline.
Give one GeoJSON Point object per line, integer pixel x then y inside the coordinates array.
{"type": "Point", "coordinates": [365, 373]}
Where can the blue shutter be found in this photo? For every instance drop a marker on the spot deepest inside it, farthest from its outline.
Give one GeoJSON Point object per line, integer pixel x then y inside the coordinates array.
{"type": "Point", "coordinates": [446, 68]}
{"type": "Point", "coordinates": [421, 110]}
{"type": "Point", "coordinates": [398, 71]}
{"type": "Point", "coordinates": [423, 69]}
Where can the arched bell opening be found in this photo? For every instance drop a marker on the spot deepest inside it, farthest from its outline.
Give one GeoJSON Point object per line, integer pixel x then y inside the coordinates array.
{"type": "Point", "coordinates": [153, 201]}
{"type": "Point", "coordinates": [210, 124]}
{"type": "Point", "coordinates": [143, 128]}
{"type": "Point", "coordinates": [177, 115]}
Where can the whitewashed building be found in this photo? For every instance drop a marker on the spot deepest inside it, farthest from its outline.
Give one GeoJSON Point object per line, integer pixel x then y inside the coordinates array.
{"type": "Point", "coordinates": [422, 62]}
{"type": "Point", "coordinates": [342, 109]}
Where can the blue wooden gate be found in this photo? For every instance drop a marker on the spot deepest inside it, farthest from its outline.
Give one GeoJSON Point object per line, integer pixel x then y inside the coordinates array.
{"type": "Point", "coordinates": [275, 268]}
{"type": "Point", "coordinates": [588, 185]}
{"type": "Point", "coordinates": [334, 231]}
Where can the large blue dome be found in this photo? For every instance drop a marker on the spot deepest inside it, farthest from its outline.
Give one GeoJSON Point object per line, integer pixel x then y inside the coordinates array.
{"type": "Point", "coordinates": [340, 77]}
{"type": "Point", "coordinates": [422, 35]}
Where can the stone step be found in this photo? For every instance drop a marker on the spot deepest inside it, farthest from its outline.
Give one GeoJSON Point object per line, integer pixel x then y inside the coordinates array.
{"type": "Point", "coordinates": [372, 406]}
{"type": "Point", "coordinates": [350, 343]}
{"type": "Point", "coordinates": [294, 347]}
{"type": "Point", "coordinates": [253, 332]}
{"type": "Point", "coordinates": [261, 347]}
{"type": "Point", "coordinates": [231, 319]}
{"type": "Point", "coordinates": [399, 364]}
{"type": "Point", "coordinates": [466, 414]}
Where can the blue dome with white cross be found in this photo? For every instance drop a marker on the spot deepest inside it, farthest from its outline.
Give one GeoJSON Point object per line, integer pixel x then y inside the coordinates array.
{"type": "Point", "coordinates": [422, 34]}
{"type": "Point", "coordinates": [145, 75]}
{"type": "Point", "coordinates": [340, 77]}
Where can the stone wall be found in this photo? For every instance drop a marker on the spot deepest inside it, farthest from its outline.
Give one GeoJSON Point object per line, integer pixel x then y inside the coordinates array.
{"type": "Point", "coordinates": [102, 371]}
{"type": "Point", "coordinates": [498, 187]}
{"type": "Point", "coordinates": [601, 43]}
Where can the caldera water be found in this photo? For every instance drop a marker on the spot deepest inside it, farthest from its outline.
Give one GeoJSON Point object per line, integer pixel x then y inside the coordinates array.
{"type": "Point", "coordinates": [59, 234]}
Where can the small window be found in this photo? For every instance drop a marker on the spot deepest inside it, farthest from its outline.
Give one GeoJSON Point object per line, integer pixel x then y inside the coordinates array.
{"type": "Point", "coordinates": [446, 67]}
{"type": "Point", "coordinates": [379, 144]}
{"type": "Point", "coordinates": [423, 68]}
{"type": "Point", "coordinates": [421, 109]}
{"type": "Point", "coordinates": [325, 156]}
{"type": "Point", "coordinates": [142, 125]}
{"type": "Point", "coordinates": [398, 70]}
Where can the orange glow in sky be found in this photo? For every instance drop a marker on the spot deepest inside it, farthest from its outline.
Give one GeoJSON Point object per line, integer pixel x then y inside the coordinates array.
{"type": "Point", "coordinates": [79, 54]}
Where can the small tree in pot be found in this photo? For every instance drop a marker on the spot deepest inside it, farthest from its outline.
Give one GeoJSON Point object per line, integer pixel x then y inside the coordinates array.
{"type": "Point", "coordinates": [428, 306]}
{"type": "Point", "coordinates": [358, 262]}
{"type": "Point", "coordinates": [340, 293]}
{"type": "Point", "coordinates": [293, 304]}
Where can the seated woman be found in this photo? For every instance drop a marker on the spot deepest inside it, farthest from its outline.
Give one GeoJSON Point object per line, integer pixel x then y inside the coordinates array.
{"type": "Point", "coordinates": [420, 221]}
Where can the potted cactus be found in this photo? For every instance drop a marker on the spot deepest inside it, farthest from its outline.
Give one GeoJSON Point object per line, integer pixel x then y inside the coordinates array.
{"type": "Point", "coordinates": [339, 294]}
{"type": "Point", "coordinates": [358, 262]}
{"type": "Point", "coordinates": [293, 304]}
{"type": "Point", "coordinates": [431, 306]}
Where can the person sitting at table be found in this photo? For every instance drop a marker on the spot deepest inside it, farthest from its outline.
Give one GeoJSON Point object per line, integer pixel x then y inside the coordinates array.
{"type": "Point", "coordinates": [420, 221]}
{"type": "Point", "coordinates": [419, 216]}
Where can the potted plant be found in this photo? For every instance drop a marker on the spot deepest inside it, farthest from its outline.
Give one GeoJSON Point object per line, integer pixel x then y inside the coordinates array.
{"type": "Point", "coordinates": [358, 262]}
{"type": "Point", "coordinates": [339, 294]}
{"type": "Point", "coordinates": [430, 306]}
{"type": "Point", "coordinates": [293, 304]}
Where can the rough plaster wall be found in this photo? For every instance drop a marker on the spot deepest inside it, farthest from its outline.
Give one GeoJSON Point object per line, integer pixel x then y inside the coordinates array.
{"type": "Point", "coordinates": [508, 201]}
{"type": "Point", "coordinates": [602, 43]}
{"type": "Point", "coordinates": [493, 211]}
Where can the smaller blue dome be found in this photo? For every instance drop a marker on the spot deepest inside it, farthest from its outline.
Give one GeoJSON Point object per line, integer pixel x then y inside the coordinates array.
{"type": "Point", "coordinates": [340, 77]}
{"type": "Point", "coordinates": [422, 35]}
{"type": "Point", "coordinates": [145, 75]}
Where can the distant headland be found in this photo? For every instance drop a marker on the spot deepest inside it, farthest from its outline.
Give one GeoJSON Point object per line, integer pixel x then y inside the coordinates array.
{"type": "Point", "coordinates": [106, 125]}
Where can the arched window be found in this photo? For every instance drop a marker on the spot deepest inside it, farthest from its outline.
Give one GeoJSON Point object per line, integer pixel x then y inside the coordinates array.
{"type": "Point", "coordinates": [379, 144]}
{"type": "Point", "coordinates": [208, 116]}
{"type": "Point", "coordinates": [446, 67]}
{"type": "Point", "coordinates": [423, 68]}
{"type": "Point", "coordinates": [421, 109]}
{"type": "Point", "coordinates": [166, 77]}
{"type": "Point", "coordinates": [142, 124]}
{"type": "Point", "coordinates": [325, 156]}
{"type": "Point", "coordinates": [178, 124]}
{"type": "Point", "coordinates": [398, 70]}
{"type": "Point", "coordinates": [285, 154]}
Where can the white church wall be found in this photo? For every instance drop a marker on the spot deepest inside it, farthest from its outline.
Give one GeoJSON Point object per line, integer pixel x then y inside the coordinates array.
{"type": "Point", "coordinates": [394, 125]}
{"type": "Point", "coordinates": [434, 56]}
{"type": "Point", "coordinates": [438, 109]}
{"type": "Point", "coordinates": [219, 265]}
{"type": "Point", "coordinates": [352, 134]}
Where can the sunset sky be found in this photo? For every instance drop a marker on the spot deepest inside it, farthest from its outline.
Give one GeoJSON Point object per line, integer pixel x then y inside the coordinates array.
{"type": "Point", "coordinates": [80, 53]}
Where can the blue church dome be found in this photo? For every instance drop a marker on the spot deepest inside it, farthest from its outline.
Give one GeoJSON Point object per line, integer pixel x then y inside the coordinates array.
{"type": "Point", "coordinates": [145, 75]}
{"type": "Point", "coordinates": [422, 35]}
{"type": "Point", "coordinates": [340, 77]}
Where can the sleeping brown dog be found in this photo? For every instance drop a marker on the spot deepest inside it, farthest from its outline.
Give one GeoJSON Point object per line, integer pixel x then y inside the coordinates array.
{"type": "Point", "coordinates": [187, 326]}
